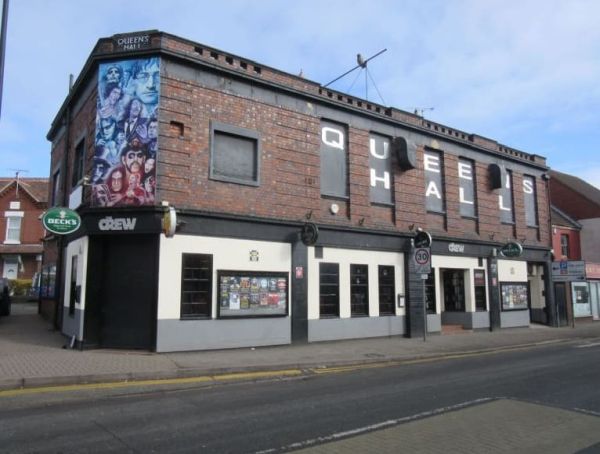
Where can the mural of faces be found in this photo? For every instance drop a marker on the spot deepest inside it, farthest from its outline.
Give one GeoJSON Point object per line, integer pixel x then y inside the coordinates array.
{"type": "Point", "coordinates": [126, 143]}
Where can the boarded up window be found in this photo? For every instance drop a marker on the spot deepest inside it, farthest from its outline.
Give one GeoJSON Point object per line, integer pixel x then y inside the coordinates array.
{"type": "Point", "coordinates": [334, 160]}
{"type": "Point", "coordinates": [505, 200]}
{"type": "Point", "coordinates": [234, 155]}
{"type": "Point", "coordinates": [380, 164]}
{"type": "Point", "coordinates": [434, 181]}
{"type": "Point", "coordinates": [530, 200]}
{"type": "Point", "coordinates": [466, 178]}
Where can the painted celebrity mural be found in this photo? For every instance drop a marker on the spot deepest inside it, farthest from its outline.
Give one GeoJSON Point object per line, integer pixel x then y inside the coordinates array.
{"type": "Point", "coordinates": [124, 170]}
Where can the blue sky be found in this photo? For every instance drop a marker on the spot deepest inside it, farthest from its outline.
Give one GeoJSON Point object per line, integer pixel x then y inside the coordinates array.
{"type": "Point", "coordinates": [524, 73]}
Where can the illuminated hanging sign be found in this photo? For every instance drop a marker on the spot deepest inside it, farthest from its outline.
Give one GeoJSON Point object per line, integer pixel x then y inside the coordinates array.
{"type": "Point", "coordinates": [61, 221]}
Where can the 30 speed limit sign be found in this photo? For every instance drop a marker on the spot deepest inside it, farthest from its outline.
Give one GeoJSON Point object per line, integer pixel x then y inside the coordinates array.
{"type": "Point", "coordinates": [422, 257]}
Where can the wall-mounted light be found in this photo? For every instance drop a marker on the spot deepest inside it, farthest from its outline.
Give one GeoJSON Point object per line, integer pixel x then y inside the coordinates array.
{"type": "Point", "coordinates": [309, 214]}
{"type": "Point", "coordinates": [492, 235]}
{"type": "Point", "coordinates": [361, 221]}
{"type": "Point", "coordinates": [411, 227]}
{"type": "Point", "coordinates": [334, 208]}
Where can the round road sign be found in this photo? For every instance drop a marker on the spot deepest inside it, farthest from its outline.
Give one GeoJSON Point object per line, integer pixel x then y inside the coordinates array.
{"type": "Point", "coordinates": [422, 256]}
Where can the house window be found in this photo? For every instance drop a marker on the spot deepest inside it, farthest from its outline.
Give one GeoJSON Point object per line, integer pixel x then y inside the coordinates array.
{"type": "Point", "coordinates": [359, 290]}
{"type": "Point", "coordinates": [387, 290]}
{"type": "Point", "coordinates": [329, 289]}
{"type": "Point", "coordinates": [334, 160]}
{"type": "Point", "coordinates": [13, 227]}
{"type": "Point", "coordinates": [78, 163]}
{"type": "Point", "coordinates": [196, 286]}
{"type": "Point", "coordinates": [564, 245]}
{"type": "Point", "coordinates": [235, 154]}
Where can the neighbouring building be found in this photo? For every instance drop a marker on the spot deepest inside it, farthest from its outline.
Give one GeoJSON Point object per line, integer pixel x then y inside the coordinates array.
{"type": "Point", "coordinates": [576, 245]}
{"type": "Point", "coordinates": [22, 202]}
{"type": "Point", "coordinates": [228, 204]}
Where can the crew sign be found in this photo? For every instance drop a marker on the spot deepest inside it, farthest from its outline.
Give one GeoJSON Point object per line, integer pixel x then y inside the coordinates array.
{"type": "Point", "coordinates": [61, 221]}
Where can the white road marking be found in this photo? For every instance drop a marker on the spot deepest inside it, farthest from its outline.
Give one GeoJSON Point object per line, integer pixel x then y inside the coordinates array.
{"type": "Point", "coordinates": [381, 425]}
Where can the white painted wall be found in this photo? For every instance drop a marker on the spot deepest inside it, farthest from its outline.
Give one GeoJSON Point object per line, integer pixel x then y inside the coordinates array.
{"type": "Point", "coordinates": [469, 264]}
{"type": "Point", "coordinates": [228, 254]}
{"type": "Point", "coordinates": [346, 257]}
{"type": "Point", "coordinates": [512, 271]}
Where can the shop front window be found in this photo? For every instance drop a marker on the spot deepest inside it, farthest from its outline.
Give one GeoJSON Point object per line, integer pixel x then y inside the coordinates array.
{"type": "Point", "coordinates": [581, 300]}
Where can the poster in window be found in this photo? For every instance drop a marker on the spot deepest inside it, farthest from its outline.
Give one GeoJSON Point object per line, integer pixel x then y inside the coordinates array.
{"type": "Point", "coordinates": [514, 296]}
{"type": "Point", "coordinates": [126, 142]}
{"type": "Point", "coordinates": [252, 294]}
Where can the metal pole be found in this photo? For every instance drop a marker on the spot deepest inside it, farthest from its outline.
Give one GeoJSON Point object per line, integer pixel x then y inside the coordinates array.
{"type": "Point", "coordinates": [424, 312]}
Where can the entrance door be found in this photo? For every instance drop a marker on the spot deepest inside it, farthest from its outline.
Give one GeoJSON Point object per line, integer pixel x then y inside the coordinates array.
{"type": "Point", "coordinates": [560, 294]}
{"type": "Point", "coordinates": [454, 290]}
{"type": "Point", "coordinates": [127, 303]}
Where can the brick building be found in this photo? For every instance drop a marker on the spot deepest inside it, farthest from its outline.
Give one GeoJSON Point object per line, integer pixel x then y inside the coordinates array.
{"type": "Point", "coordinates": [293, 207]}
{"type": "Point", "coordinates": [22, 202]}
{"type": "Point", "coordinates": [576, 243]}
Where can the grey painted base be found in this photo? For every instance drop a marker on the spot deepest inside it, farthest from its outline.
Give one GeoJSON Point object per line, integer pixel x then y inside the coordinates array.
{"type": "Point", "coordinates": [354, 328]}
{"type": "Point", "coordinates": [539, 316]}
{"type": "Point", "coordinates": [469, 320]}
{"type": "Point", "coordinates": [434, 323]}
{"type": "Point", "coordinates": [178, 335]}
{"type": "Point", "coordinates": [512, 319]}
{"type": "Point", "coordinates": [72, 325]}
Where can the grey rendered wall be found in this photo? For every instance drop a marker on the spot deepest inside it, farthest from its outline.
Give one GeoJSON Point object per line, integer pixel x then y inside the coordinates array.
{"type": "Point", "coordinates": [434, 323]}
{"type": "Point", "coordinates": [512, 319]}
{"type": "Point", "coordinates": [590, 239]}
{"type": "Point", "coordinates": [178, 335]}
{"type": "Point", "coordinates": [480, 320]}
{"type": "Point", "coordinates": [354, 328]}
{"type": "Point", "coordinates": [72, 324]}
{"type": "Point", "coordinates": [457, 318]}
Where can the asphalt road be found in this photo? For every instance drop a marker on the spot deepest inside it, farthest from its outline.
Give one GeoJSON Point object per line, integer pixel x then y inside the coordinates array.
{"type": "Point", "coordinates": [278, 414]}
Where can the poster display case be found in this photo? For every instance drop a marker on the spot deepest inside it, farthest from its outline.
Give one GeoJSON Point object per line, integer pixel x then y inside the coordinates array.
{"type": "Point", "coordinates": [252, 294]}
{"type": "Point", "coordinates": [515, 295]}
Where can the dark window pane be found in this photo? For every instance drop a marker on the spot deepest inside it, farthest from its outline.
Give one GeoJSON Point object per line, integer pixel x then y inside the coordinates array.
{"type": "Point", "coordinates": [387, 290]}
{"type": "Point", "coordinates": [196, 285]}
{"type": "Point", "coordinates": [329, 289]}
{"type": "Point", "coordinates": [359, 290]}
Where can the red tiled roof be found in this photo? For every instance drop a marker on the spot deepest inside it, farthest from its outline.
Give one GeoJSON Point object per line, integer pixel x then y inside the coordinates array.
{"type": "Point", "coordinates": [35, 187]}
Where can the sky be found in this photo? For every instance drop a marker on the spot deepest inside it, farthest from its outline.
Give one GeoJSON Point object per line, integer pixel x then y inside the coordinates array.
{"type": "Point", "coordinates": [525, 73]}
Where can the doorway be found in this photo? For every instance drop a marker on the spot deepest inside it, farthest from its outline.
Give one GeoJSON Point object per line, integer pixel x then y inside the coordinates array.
{"type": "Point", "coordinates": [560, 294]}
{"type": "Point", "coordinates": [122, 290]}
{"type": "Point", "coordinates": [454, 290]}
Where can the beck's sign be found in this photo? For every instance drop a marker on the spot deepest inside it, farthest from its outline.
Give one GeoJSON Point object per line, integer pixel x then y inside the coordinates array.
{"type": "Point", "coordinates": [61, 221]}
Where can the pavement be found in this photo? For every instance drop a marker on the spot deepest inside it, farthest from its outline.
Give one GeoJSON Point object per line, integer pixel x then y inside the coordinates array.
{"type": "Point", "coordinates": [32, 354]}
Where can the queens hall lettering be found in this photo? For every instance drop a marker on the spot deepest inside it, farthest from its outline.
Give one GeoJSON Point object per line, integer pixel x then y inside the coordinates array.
{"type": "Point", "coordinates": [380, 170]}
{"type": "Point", "coordinates": [434, 199]}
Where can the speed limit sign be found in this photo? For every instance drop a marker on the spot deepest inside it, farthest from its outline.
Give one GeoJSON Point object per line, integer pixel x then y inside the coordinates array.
{"type": "Point", "coordinates": [422, 259]}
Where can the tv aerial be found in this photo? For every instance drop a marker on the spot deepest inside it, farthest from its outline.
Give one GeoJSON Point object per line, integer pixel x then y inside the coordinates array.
{"type": "Point", "coordinates": [362, 64]}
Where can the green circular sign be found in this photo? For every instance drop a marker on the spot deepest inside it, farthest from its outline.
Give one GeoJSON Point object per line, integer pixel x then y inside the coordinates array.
{"type": "Point", "coordinates": [61, 221]}
{"type": "Point", "coordinates": [512, 249]}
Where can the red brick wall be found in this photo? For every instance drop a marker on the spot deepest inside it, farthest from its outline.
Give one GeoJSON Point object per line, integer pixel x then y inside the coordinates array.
{"type": "Point", "coordinates": [574, 243]}
{"type": "Point", "coordinates": [572, 202]}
